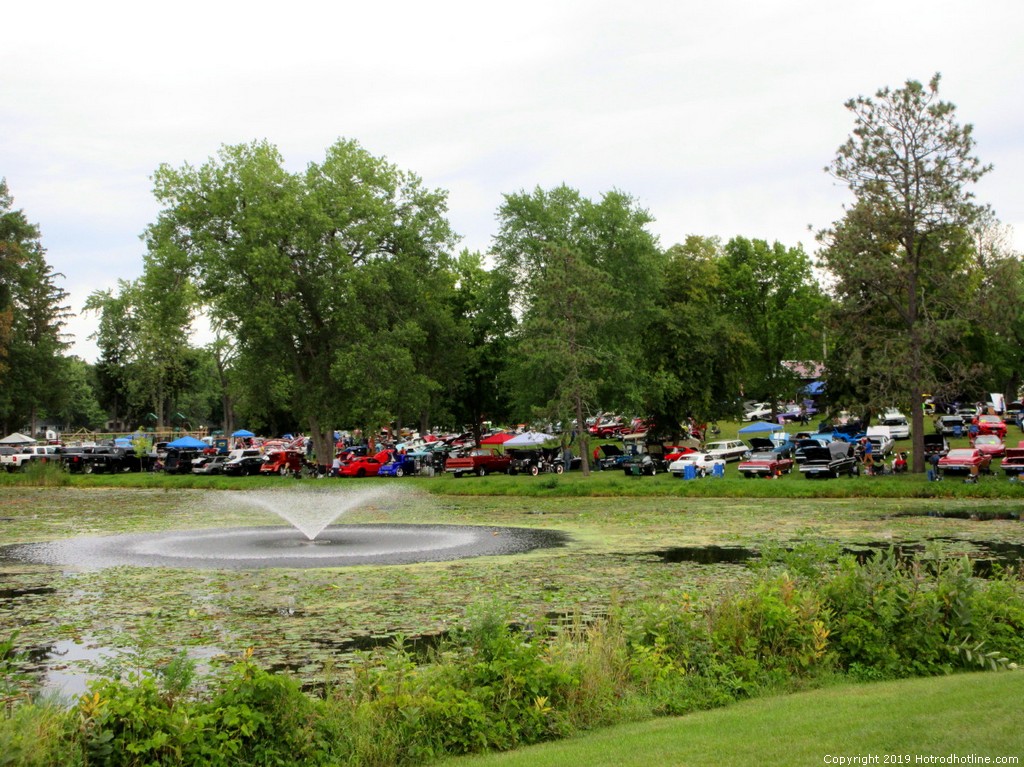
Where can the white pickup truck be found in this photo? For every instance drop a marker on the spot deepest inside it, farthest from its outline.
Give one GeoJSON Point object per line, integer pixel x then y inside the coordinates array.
{"type": "Point", "coordinates": [23, 455]}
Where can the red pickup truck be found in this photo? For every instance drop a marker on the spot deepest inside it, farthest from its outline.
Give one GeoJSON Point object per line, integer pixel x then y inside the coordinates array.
{"type": "Point", "coordinates": [478, 461]}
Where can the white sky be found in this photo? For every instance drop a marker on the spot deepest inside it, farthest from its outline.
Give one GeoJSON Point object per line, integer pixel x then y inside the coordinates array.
{"type": "Point", "coordinates": [719, 117]}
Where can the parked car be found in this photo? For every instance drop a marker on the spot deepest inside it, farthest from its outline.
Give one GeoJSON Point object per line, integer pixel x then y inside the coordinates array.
{"type": "Point", "coordinates": [780, 447]}
{"type": "Point", "coordinates": [282, 462]}
{"type": "Point", "coordinates": [23, 456]}
{"type": "Point", "coordinates": [810, 441]}
{"type": "Point", "coordinates": [609, 427]}
{"type": "Point", "coordinates": [990, 445]}
{"type": "Point", "coordinates": [728, 449]}
{"type": "Point", "coordinates": [365, 465]}
{"type": "Point", "coordinates": [245, 466]}
{"type": "Point", "coordinates": [967, 414]}
{"type": "Point", "coordinates": [881, 441]}
{"type": "Point", "coordinates": [612, 456]}
{"type": "Point", "coordinates": [758, 411]}
{"type": "Point", "coordinates": [400, 465]}
{"type": "Point", "coordinates": [949, 426]}
{"type": "Point", "coordinates": [213, 465]}
{"type": "Point", "coordinates": [899, 426]}
{"type": "Point", "coordinates": [935, 444]}
{"type": "Point", "coordinates": [642, 464]}
{"type": "Point", "coordinates": [179, 460]}
{"type": "Point", "coordinates": [765, 463]}
{"type": "Point", "coordinates": [831, 460]}
{"type": "Point", "coordinates": [478, 461]}
{"type": "Point", "coordinates": [1013, 463]}
{"type": "Point", "coordinates": [703, 463]}
{"type": "Point", "coordinates": [965, 460]}
{"type": "Point", "coordinates": [991, 424]}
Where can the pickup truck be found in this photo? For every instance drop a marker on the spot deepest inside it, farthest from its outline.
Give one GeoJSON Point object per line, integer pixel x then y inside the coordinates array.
{"type": "Point", "coordinates": [478, 461]}
{"type": "Point", "coordinates": [24, 455]}
{"type": "Point", "coordinates": [105, 460]}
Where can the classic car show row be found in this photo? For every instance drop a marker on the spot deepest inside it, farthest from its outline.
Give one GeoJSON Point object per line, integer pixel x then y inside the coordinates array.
{"type": "Point", "coordinates": [761, 449]}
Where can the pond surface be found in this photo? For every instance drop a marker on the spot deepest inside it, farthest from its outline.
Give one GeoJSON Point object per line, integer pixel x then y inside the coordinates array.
{"type": "Point", "coordinates": [286, 547]}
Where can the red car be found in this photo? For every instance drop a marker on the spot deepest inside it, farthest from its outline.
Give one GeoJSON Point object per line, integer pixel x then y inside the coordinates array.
{"type": "Point", "coordinates": [365, 466]}
{"type": "Point", "coordinates": [991, 424]}
{"type": "Point", "coordinates": [965, 460]}
{"type": "Point", "coordinates": [282, 462]}
{"type": "Point", "coordinates": [766, 463]}
{"type": "Point", "coordinates": [609, 427]}
{"type": "Point", "coordinates": [990, 445]}
{"type": "Point", "coordinates": [675, 453]}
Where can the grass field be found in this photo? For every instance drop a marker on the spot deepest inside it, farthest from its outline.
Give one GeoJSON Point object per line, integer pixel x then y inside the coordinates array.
{"type": "Point", "coordinates": [971, 717]}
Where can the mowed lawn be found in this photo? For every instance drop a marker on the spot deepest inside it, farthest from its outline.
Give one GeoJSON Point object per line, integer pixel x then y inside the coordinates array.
{"type": "Point", "coordinates": [917, 721]}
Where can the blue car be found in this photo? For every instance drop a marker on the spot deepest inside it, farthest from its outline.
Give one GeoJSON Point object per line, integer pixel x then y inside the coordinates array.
{"type": "Point", "coordinates": [400, 465]}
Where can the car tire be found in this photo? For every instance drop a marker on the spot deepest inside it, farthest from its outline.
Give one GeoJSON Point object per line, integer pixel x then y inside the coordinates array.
{"type": "Point", "coordinates": [654, 471]}
{"type": "Point", "coordinates": [87, 469]}
{"type": "Point", "coordinates": [481, 472]}
{"type": "Point", "coordinates": [282, 470]}
{"type": "Point", "coordinates": [559, 469]}
{"type": "Point", "coordinates": [399, 472]}
{"type": "Point", "coordinates": [535, 470]}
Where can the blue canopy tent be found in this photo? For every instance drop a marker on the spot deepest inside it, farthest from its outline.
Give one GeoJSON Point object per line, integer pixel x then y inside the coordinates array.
{"type": "Point", "coordinates": [242, 433]}
{"type": "Point", "coordinates": [760, 427]}
{"type": "Point", "coordinates": [814, 388]}
{"type": "Point", "coordinates": [187, 442]}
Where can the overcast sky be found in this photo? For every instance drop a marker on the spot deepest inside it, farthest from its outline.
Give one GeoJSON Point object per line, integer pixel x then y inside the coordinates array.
{"type": "Point", "coordinates": [718, 117]}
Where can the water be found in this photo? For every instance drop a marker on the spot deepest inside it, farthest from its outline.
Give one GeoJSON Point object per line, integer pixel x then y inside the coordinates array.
{"type": "Point", "coordinates": [310, 511]}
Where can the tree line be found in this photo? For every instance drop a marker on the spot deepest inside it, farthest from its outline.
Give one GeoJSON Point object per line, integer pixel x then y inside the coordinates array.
{"type": "Point", "coordinates": [337, 298]}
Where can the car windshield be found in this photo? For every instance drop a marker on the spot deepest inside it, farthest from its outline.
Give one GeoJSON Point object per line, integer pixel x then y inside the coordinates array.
{"type": "Point", "coordinates": [961, 453]}
{"type": "Point", "coordinates": [987, 439]}
{"type": "Point", "coordinates": [989, 419]}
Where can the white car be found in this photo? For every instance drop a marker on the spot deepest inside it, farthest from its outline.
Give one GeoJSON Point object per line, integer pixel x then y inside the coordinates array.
{"type": "Point", "coordinates": [728, 449]}
{"type": "Point", "coordinates": [758, 411]}
{"type": "Point", "coordinates": [899, 427]}
{"type": "Point", "coordinates": [881, 440]}
{"type": "Point", "coordinates": [704, 463]}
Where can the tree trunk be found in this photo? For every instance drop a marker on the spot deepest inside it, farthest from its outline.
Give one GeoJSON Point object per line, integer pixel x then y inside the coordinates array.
{"type": "Point", "coordinates": [584, 438]}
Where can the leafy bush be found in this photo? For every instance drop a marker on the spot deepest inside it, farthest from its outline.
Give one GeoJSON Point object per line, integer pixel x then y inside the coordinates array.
{"type": "Point", "coordinates": [897, 618]}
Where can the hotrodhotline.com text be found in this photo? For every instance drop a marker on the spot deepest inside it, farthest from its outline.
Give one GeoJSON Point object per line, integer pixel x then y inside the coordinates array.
{"type": "Point", "coordinates": [859, 759]}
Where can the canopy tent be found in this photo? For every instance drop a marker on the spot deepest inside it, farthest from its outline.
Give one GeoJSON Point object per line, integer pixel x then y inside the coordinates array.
{"type": "Point", "coordinates": [760, 427]}
{"type": "Point", "coordinates": [242, 433]}
{"type": "Point", "coordinates": [500, 438]}
{"type": "Point", "coordinates": [17, 438]}
{"type": "Point", "coordinates": [814, 388]}
{"type": "Point", "coordinates": [529, 439]}
{"type": "Point", "coordinates": [123, 442]}
{"type": "Point", "coordinates": [187, 442]}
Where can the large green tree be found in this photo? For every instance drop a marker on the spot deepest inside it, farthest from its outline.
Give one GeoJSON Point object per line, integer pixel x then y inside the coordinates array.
{"type": "Point", "coordinates": [323, 277]}
{"type": "Point", "coordinates": [583, 277]}
{"type": "Point", "coordinates": [32, 318]}
{"type": "Point", "coordinates": [898, 257]}
{"type": "Point", "coordinates": [771, 293]}
{"type": "Point", "coordinates": [695, 350]}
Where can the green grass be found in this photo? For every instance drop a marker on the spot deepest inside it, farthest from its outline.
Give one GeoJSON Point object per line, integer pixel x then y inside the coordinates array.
{"type": "Point", "coordinates": [967, 714]}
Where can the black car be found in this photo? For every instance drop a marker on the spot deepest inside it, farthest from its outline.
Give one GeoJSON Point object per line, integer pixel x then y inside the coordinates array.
{"type": "Point", "coordinates": [830, 460]}
{"type": "Point", "coordinates": [246, 466]}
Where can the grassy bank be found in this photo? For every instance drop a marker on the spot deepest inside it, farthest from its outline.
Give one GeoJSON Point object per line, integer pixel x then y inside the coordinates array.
{"type": "Point", "coordinates": [968, 714]}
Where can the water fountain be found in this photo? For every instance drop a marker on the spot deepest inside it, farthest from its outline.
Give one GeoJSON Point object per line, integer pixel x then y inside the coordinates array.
{"type": "Point", "coordinates": [312, 540]}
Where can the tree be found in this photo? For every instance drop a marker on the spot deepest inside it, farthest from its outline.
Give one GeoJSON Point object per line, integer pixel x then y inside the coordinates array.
{"type": "Point", "coordinates": [320, 276]}
{"type": "Point", "coordinates": [32, 318]}
{"type": "Point", "coordinates": [771, 293]}
{"type": "Point", "coordinates": [695, 351]}
{"type": "Point", "coordinates": [482, 308]}
{"type": "Point", "coordinates": [900, 245]}
{"type": "Point", "coordinates": [583, 277]}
